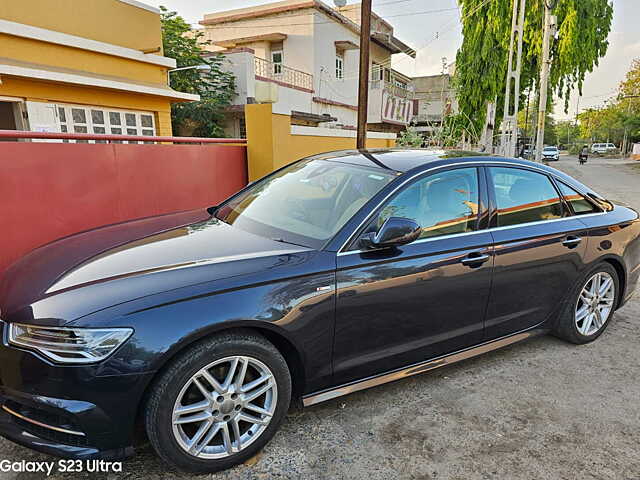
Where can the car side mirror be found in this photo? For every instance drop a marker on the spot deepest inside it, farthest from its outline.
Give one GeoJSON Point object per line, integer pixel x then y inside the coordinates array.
{"type": "Point", "coordinates": [395, 231]}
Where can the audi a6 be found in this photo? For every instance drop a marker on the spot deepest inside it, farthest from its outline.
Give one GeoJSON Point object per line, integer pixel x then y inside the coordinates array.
{"type": "Point", "coordinates": [336, 273]}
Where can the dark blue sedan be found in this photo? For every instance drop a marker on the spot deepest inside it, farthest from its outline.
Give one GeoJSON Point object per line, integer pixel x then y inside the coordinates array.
{"type": "Point", "coordinates": [334, 274]}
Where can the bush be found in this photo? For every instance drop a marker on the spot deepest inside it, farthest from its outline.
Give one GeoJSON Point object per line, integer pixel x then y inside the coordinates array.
{"type": "Point", "coordinates": [410, 138]}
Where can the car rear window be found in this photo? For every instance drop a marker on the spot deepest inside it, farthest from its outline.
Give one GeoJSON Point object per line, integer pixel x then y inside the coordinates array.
{"type": "Point", "coordinates": [523, 196]}
{"type": "Point", "coordinates": [579, 204]}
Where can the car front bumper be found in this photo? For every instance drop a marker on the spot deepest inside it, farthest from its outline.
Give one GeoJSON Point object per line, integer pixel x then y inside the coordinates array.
{"type": "Point", "coordinates": [68, 411]}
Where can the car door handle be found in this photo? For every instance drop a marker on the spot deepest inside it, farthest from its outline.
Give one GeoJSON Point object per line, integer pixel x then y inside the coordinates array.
{"type": "Point", "coordinates": [475, 259]}
{"type": "Point", "coordinates": [571, 241]}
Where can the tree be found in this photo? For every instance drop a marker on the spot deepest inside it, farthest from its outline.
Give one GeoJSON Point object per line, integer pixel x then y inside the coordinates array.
{"type": "Point", "coordinates": [629, 102]}
{"type": "Point", "coordinates": [481, 62]}
{"type": "Point", "coordinates": [216, 87]}
{"type": "Point", "coordinates": [602, 124]}
{"type": "Point", "coordinates": [567, 132]}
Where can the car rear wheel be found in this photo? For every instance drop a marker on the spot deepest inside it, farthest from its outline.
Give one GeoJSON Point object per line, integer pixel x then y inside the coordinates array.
{"type": "Point", "coordinates": [219, 403]}
{"type": "Point", "coordinates": [591, 305]}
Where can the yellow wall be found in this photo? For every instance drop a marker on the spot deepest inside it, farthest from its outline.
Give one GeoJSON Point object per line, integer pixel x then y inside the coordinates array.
{"type": "Point", "coordinates": [111, 21]}
{"type": "Point", "coordinates": [63, 93]}
{"type": "Point", "coordinates": [108, 21]}
{"type": "Point", "coordinates": [60, 56]}
{"type": "Point", "coordinates": [270, 144]}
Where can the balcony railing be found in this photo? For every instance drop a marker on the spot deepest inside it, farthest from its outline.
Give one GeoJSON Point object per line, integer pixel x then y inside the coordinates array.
{"type": "Point", "coordinates": [282, 74]}
{"type": "Point", "coordinates": [392, 87]}
{"type": "Point", "coordinates": [390, 80]}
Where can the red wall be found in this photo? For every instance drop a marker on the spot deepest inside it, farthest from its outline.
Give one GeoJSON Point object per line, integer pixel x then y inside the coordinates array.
{"type": "Point", "coordinates": [50, 190]}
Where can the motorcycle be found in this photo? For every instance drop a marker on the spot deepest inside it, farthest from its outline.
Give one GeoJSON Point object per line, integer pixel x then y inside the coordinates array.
{"type": "Point", "coordinates": [582, 159]}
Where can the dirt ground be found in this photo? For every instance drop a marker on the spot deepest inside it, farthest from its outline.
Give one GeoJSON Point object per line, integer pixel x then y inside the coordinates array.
{"type": "Point", "coordinates": [544, 409]}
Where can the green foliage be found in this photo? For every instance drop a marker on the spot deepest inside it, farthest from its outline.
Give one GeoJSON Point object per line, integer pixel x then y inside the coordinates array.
{"type": "Point", "coordinates": [215, 86]}
{"type": "Point", "coordinates": [410, 138]}
{"type": "Point", "coordinates": [608, 123]}
{"type": "Point", "coordinates": [567, 132]}
{"type": "Point", "coordinates": [481, 62]}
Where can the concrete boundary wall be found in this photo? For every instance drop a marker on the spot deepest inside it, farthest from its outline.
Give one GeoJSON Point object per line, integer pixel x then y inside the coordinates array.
{"type": "Point", "coordinates": [273, 142]}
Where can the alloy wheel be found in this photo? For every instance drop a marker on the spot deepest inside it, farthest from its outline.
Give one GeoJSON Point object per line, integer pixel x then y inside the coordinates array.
{"type": "Point", "coordinates": [595, 303]}
{"type": "Point", "coordinates": [224, 407]}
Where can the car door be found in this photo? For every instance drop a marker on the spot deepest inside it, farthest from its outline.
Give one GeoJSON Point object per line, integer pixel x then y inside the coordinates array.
{"type": "Point", "coordinates": [539, 249]}
{"type": "Point", "coordinates": [403, 305]}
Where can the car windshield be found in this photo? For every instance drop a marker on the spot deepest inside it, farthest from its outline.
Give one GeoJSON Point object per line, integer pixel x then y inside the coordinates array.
{"type": "Point", "coordinates": [553, 149]}
{"type": "Point", "coordinates": [305, 203]}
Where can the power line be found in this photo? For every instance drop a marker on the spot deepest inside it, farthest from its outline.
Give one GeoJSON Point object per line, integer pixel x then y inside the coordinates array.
{"type": "Point", "coordinates": [445, 29]}
{"type": "Point", "coordinates": [271, 25]}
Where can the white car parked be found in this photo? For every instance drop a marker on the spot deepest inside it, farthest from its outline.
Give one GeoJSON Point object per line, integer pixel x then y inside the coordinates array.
{"type": "Point", "coordinates": [550, 153]}
{"type": "Point", "coordinates": [602, 148]}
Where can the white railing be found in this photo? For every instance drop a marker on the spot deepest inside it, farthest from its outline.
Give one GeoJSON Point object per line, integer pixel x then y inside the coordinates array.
{"type": "Point", "coordinates": [392, 81]}
{"type": "Point", "coordinates": [283, 74]}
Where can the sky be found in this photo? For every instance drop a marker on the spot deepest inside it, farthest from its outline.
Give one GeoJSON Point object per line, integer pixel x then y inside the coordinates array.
{"type": "Point", "coordinates": [433, 28]}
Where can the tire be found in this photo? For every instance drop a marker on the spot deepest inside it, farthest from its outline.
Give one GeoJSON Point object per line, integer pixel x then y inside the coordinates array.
{"type": "Point", "coordinates": [572, 325]}
{"type": "Point", "coordinates": [185, 383]}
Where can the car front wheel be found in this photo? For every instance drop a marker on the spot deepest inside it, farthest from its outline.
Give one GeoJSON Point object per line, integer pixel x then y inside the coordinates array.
{"type": "Point", "coordinates": [591, 305]}
{"type": "Point", "coordinates": [219, 403]}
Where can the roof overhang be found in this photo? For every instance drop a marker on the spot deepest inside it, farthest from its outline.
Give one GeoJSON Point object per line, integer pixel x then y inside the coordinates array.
{"type": "Point", "coordinates": [59, 38]}
{"type": "Point", "coordinates": [393, 44]}
{"type": "Point", "coordinates": [312, 117]}
{"type": "Point", "coordinates": [346, 45]}
{"type": "Point", "coordinates": [267, 37]}
{"type": "Point", "coordinates": [48, 74]}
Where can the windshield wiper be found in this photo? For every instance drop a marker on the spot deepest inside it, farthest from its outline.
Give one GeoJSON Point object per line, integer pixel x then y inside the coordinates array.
{"type": "Point", "coordinates": [282, 240]}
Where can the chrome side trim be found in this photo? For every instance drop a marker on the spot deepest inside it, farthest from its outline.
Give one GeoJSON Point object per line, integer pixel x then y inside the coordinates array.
{"type": "Point", "coordinates": [423, 240]}
{"type": "Point", "coordinates": [40, 424]}
{"type": "Point", "coordinates": [419, 368]}
{"type": "Point", "coordinates": [494, 229]}
{"type": "Point", "coordinates": [475, 164]}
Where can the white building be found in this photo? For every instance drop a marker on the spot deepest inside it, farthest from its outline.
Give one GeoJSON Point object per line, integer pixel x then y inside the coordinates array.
{"type": "Point", "coordinates": [434, 99]}
{"type": "Point", "coordinates": [303, 57]}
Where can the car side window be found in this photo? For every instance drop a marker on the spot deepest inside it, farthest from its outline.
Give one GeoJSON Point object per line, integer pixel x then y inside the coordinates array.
{"type": "Point", "coordinates": [443, 203]}
{"type": "Point", "coordinates": [579, 204]}
{"type": "Point", "coordinates": [523, 196]}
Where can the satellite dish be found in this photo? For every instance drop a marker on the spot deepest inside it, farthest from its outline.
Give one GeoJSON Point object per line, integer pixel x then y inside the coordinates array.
{"type": "Point", "coordinates": [340, 3]}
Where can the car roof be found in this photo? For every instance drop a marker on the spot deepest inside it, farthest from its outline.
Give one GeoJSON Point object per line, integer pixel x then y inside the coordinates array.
{"type": "Point", "coordinates": [404, 160]}
{"type": "Point", "coordinates": [397, 159]}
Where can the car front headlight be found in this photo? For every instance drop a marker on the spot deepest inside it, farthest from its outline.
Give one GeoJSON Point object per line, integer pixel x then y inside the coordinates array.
{"type": "Point", "coordinates": [67, 344]}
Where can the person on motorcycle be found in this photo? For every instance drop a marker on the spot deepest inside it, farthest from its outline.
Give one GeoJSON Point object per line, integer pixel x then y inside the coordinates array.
{"type": "Point", "coordinates": [584, 154]}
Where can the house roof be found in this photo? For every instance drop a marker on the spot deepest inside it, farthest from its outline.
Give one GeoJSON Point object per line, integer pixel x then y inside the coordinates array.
{"type": "Point", "coordinates": [267, 37]}
{"type": "Point", "coordinates": [385, 40]}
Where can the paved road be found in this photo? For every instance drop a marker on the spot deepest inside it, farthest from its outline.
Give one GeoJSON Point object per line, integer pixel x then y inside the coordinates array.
{"type": "Point", "coordinates": [616, 179]}
{"type": "Point", "coordinates": [540, 410]}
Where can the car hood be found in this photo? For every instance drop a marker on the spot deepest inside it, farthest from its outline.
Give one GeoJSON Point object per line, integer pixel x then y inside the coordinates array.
{"type": "Point", "coordinates": [104, 259]}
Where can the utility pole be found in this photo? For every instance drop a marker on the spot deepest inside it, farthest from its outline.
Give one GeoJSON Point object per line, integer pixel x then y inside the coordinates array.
{"type": "Point", "coordinates": [489, 124]}
{"type": "Point", "coordinates": [549, 30]}
{"type": "Point", "coordinates": [509, 137]}
{"type": "Point", "coordinates": [363, 84]}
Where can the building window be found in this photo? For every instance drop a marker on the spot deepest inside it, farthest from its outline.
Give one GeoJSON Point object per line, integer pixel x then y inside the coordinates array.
{"type": "Point", "coordinates": [277, 57]}
{"type": "Point", "coordinates": [339, 65]}
{"type": "Point", "coordinates": [99, 120]}
{"type": "Point", "coordinates": [242, 127]}
{"type": "Point", "coordinates": [376, 72]}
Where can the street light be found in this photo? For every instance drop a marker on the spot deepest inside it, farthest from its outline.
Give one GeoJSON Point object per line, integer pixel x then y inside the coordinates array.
{"type": "Point", "coordinates": [202, 67]}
